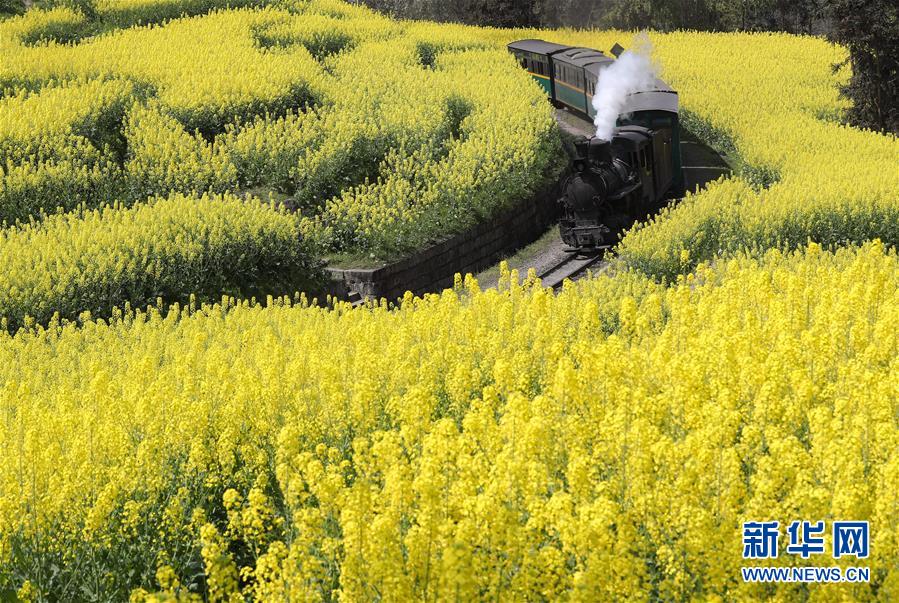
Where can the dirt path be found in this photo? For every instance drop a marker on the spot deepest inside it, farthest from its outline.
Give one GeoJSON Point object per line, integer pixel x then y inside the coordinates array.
{"type": "Point", "coordinates": [572, 124]}
{"type": "Point", "coordinates": [543, 256]}
{"type": "Point", "coordinates": [540, 255]}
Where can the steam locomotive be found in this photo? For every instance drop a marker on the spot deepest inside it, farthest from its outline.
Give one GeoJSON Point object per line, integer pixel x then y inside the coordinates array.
{"type": "Point", "coordinates": [610, 182]}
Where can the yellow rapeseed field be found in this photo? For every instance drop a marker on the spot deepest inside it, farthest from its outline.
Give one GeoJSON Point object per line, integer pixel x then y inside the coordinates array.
{"type": "Point", "coordinates": [603, 443]}
{"type": "Point", "coordinates": [165, 248]}
{"type": "Point", "coordinates": [380, 160]}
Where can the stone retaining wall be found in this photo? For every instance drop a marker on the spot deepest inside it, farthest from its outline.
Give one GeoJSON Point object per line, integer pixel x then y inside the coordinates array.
{"type": "Point", "coordinates": [432, 269]}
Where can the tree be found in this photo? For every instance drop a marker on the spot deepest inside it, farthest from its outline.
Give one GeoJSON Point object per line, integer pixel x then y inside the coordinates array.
{"type": "Point", "coordinates": [795, 16]}
{"type": "Point", "coordinates": [572, 13]}
{"type": "Point", "coordinates": [11, 7]}
{"type": "Point", "coordinates": [870, 30]}
{"type": "Point", "coordinates": [504, 13]}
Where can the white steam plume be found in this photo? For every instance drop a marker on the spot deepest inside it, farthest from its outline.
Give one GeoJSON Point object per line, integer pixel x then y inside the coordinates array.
{"type": "Point", "coordinates": [632, 72]}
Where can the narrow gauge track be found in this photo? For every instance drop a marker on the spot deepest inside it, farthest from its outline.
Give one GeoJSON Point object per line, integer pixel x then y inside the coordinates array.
{"type": "Point", "coordinates": [571, 267]}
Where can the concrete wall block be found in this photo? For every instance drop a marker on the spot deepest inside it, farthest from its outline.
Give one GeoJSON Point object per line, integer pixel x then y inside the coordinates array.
{"type": "Point", "coordinates": [444, 283]}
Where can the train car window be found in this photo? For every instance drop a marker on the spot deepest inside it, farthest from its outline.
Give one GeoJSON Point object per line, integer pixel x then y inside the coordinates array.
{"type": "Point", "coordinates": [643, 157]}
{"type": "Point", "coordinates": [524, 62]}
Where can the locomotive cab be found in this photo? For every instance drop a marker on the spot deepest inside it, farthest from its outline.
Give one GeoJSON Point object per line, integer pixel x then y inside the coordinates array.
{"type": "Point", "coordinates": [648, 152]}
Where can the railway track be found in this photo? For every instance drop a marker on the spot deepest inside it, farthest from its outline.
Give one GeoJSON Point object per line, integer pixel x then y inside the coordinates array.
{"type": "Point", "coordinates": [572, 267]}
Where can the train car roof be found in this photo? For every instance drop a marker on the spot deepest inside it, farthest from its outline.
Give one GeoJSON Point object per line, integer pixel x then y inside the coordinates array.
{"type": "Point", "coordinates": [583, 57]}
{"type": "Point", "coordinates": [538, 46]}
{"type": "Point", "coordinates": [593, 61]}
{"type": "Point", "coordinates": [660, 97]}
{"type": "Point", "coordinates": [652, 100]}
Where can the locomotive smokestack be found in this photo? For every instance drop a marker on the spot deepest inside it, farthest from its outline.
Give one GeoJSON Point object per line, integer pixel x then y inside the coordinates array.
{"type": "Point", "coordinates": [591, 152]}
{"type": "Point", "coordinates": [600, 150]}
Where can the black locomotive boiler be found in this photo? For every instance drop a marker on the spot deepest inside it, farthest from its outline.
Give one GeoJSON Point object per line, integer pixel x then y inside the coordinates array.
{"type": "Point", "coordinates": [613, 182]}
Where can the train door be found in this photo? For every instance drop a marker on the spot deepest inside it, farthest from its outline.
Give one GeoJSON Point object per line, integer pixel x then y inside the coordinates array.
{"type": "Point", "coordinates": [591, 92]}
{"type": "Point", "coordinates": [663, 169]}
